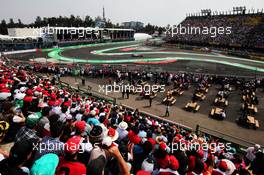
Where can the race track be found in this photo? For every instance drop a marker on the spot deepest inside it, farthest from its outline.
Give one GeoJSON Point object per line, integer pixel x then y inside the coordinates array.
{"type": "Point", "coordinates": [166, 59]}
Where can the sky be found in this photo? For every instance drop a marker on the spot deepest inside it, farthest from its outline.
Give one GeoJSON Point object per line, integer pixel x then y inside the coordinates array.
{"type": "Point", "coordinates": [157, 12]}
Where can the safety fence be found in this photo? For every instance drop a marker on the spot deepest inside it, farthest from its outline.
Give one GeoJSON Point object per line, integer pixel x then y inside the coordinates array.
{"type": "Point", "coordinates": [239, 143]}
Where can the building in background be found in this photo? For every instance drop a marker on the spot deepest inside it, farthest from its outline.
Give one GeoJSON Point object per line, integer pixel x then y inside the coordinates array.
{"type": "Point", "coordinates": [23, 32]}
{"type": "Point", "coordinates": [136, 25]}
{"type": "Point", "coordinates": [46, 37]}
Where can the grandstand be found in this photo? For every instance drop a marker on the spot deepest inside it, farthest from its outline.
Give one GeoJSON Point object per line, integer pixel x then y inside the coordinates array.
{"type": "Point", "coordinates": [246, 30]}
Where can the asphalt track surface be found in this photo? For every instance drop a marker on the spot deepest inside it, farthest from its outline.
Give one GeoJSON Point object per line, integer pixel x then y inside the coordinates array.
{"type": "Point", "coordinates": [157, 57]}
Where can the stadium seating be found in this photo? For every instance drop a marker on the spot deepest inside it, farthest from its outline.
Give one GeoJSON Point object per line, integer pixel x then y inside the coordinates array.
{"type": "Point", "coordinates": [246, 31]}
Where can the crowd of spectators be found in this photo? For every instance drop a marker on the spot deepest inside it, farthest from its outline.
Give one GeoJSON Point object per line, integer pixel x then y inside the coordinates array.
{"type": "Point", "coordinates": [57, 131]}
{"type": "Point", "coordinates": [246, 30]}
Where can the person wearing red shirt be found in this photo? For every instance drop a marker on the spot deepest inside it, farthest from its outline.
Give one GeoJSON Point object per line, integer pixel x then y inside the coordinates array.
{"type": "Point", "coordinates": [69, 164]}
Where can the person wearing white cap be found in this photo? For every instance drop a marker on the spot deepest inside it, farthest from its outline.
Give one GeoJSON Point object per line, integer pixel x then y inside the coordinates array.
{"type": "Point", "coordinates": [122, 130]}
{"type": "Point", "coordinates": [4, 95]}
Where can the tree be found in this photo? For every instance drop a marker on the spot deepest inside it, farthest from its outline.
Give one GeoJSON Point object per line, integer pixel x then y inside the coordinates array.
{"type": "Point", "coordinates": [3, 27]}
{"type": "Point", "coordinates": [20, 24]}
{"type": "Point", "coordinates": [161, 29]}
{"type": "Point", "coordinates": [38, 22]}
{"type": "Point", "coordinates": [109, 24]}
{"type": "Point", "coordinates": [150, 29]}
{"type": "Point", "coordinates": [45, 21]}
{"type": "Point", "coordinates": [78, 22]}
{"type": "Point", "coordinates": [88, 21]}
{"type": "Point", "coordinates": [72, 20]}
{"type": "Point", "coordinates": [11, 23]}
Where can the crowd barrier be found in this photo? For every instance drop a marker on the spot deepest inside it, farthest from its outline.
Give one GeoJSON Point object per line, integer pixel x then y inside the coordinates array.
{"type": "Point", "coordinates": [239, 143]}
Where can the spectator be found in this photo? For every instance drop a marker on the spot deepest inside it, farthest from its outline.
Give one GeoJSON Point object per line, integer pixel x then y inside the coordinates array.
{"type": "Point", "coordinates": [167, 113]}
{"type": "Point", "coordinates": [251, 153]}
{"type": "Point", "coordinates": [70, 165]}
{"type": "Point", "coordinates": [19, 154]}
{"type": "Point", "coordinates": [49, 161]}
{"type": "Point", "coordinates": [28, 132]}
{"type": "Point", "coordinates": [52, 144]}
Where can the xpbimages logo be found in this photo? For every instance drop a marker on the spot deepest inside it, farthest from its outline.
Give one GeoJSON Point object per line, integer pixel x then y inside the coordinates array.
{"type": "Point", "coordinates": [79, 31]}
{"type": "Point", "coordinates": [105, 89]}
{"type": "Point", "coordinates": [213, 31]}
{"type": "Point", "coordinates": [187, 146]}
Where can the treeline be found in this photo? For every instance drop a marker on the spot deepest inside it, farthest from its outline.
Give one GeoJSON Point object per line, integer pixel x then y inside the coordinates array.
{"type": "Point", "coordinates": [72, 21]}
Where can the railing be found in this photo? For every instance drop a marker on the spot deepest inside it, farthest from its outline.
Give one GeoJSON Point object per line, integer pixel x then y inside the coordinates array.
{"type": "Point", "coordinates": [238, 142]}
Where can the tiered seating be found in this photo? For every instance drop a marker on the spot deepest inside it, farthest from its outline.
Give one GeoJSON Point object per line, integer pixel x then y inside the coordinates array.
{"type": "Point", "coordinates": [246, 30]}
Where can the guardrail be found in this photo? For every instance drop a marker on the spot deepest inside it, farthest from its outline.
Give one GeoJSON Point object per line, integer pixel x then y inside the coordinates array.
{"type": "Point", "coordinates": [237, 141]}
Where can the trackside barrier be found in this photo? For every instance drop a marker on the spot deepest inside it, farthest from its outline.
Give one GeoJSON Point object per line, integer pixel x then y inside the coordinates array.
{"type": "Point", "coordinates": [238, 142]}
{"type": "Point", "coordinates": [151, 68]}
